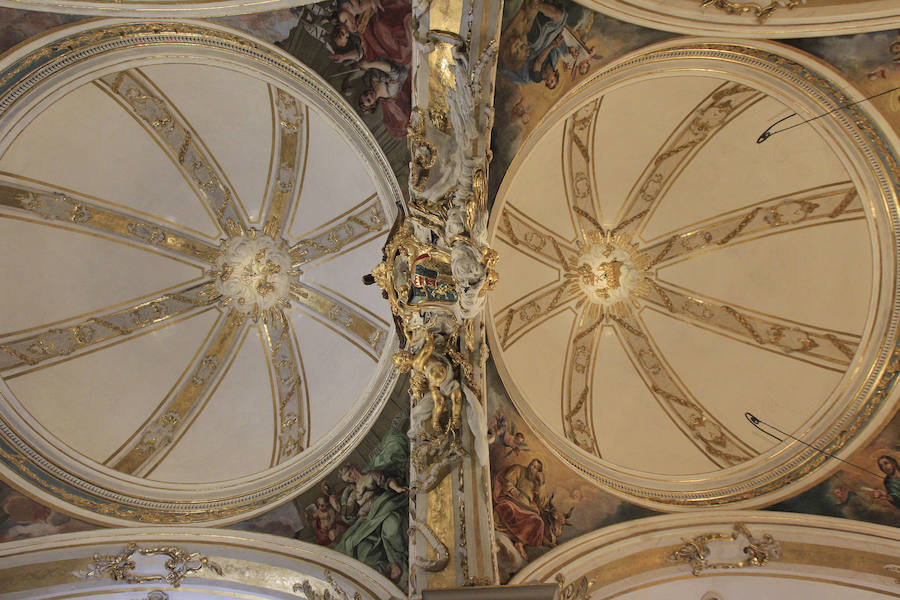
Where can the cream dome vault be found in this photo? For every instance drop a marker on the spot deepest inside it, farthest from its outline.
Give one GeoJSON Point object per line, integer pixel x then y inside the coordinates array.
{"type": "Point", "coordinates": [663, 273]}
{"type": "Point", "coordinates": [186, 214]}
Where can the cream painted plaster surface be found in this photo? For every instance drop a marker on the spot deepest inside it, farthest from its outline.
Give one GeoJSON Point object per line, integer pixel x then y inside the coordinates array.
{"type": "Point", "coordinates": [817, 276]}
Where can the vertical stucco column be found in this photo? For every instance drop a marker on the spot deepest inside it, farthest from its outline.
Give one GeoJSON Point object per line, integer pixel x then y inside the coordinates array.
{"type": "Point", "coordinates": [436, 273]}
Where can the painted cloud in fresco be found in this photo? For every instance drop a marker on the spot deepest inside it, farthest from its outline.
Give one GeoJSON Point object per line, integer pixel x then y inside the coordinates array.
{"type": "Point", "coordinates": [22, 518]}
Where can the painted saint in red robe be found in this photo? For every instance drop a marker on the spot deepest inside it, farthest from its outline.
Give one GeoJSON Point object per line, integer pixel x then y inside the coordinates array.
{"type": "Point", "coordinates": [519, 500]}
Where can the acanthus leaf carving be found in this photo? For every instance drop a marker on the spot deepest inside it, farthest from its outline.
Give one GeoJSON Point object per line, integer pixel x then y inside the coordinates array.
{"type": "Point", "coordinates": [334, 591]}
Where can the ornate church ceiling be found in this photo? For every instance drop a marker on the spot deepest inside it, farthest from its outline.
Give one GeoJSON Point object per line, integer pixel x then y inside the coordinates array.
{"type": "Point", "coordinates": [153, 8]}
{"type": "Point", "coordinates": [185, 214]}
{"type": "Point", "coordinates": [664, 274]}
{"type": "Point", "coordinates": [187, 338]}
{"type": "Point", "coordinates": [756, 19]}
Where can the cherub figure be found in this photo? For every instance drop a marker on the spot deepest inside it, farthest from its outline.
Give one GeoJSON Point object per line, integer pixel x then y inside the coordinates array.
{"type": "Point", "coordinates": [504, 432]}
{"type": "Point", "coordinates": [520, 111]}
{"type": "Point", "coordinates": [325, 520]}
{"type": "Point", "coordinates": [433, 372]}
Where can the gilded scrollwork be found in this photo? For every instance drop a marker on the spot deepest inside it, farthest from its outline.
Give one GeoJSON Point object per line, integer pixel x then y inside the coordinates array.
{"type": "Point", "coordinates": [716, 442]}
{"type": "Point", "coordinates": [334, 591]}
{"type": "Point", "coordinates": [580, 589]}
{"type": "Point", "coordinates": [130, 565]}
{"type": "Point", "coordinates": [529, 311]}
{"type": "Point", "coordinates": [147, 447]}
{"type": "Point", "coordinates": [80, 213]}
{"type": "Point", "coordinates": [757, 551]}
{"type": "Point", "coordinates": [350, 321]}
{"type": "Point", "coordinates": [577, 387]}
{"type": "Point", "coordinates": [366, 220]}
{"type": "Point", "coordinates": [762, 12]}
{"type": "Point", "coordinates": [821, 347]}
{"type": "Point", "coordinates": [289, 158]}
{"type": "Point", "coordinates": [54, 342]}
{"type": "Point", "coordinates": [290, 386]}
{"type": "Point", "coordinates": [518, 231]}
{"type": "Point", "coordinates": [807, 207]}
{"type": "Point", "coordinates": [707, 119]}
{"type": "Point", "coordinates": [578, 169]}
{"type": "Point", "coordinates": [148, 105]}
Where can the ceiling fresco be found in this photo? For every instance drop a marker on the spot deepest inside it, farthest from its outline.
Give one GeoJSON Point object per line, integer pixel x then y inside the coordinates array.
{"type": "Point", "coordinates": [332, 514]}
{"type": "Point", "coordinates": [628, 338]}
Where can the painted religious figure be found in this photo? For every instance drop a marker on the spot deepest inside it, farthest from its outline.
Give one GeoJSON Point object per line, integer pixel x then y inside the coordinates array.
{"type": "Point", "coordinates": [364, 49]}
{"type": "Point", "coordinates": [890, 468]}
{"type": "Point", "coordinates": [368, 518]}
{"type": "Point", "coordinates": [375, 37]}
{"type": "Point", "coordinates": [387, 84]}
{"type": "Point", "coordinates": [532, 44]}
{"type": "Point", "coordinates": [523, 508]}
{"type": "Point", "coordinates": [541, 39]}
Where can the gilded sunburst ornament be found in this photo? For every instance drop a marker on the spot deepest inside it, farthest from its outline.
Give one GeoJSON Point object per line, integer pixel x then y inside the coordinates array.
{"type": "Point", "coordinates": [254, 274]}
{"type": "Point", "coordinates": [610, 273]}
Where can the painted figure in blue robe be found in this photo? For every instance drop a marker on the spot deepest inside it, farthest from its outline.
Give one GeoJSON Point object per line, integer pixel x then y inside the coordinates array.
{"type": "Point", "coordinates": [890, 468]}
{"type": "Point", "coordinates": [532, 43]}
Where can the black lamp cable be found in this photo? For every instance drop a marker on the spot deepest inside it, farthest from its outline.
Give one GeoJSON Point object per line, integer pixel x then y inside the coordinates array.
{"type": "Point", "coordinates": [769, 133]}
{"type": "Point", "coordinates": [756, 422]}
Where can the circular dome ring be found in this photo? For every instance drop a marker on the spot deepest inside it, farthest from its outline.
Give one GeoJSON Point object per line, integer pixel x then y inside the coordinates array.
{"type": "Point", "coordinates": [858, 405]}
{"type": "Point", "coordinates": [38, 74]}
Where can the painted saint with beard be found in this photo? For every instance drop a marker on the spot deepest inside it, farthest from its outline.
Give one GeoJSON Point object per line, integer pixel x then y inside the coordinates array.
{"type": "Point", "coordinates": [523, 508]}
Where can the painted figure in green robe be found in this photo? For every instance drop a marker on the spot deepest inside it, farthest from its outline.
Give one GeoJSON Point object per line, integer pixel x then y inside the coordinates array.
{"type": "Point", "coordinates": [891, 470]}
{"type": "Point", "coordinates": [376, 505]}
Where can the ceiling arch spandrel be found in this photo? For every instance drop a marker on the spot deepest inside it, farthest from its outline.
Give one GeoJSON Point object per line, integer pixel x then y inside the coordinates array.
{"type": "Point", "coordinates": [725, 554]}
{"type": "Point", "coordinates": [245, 346]}
{"type": "Point", "coordinates": [767, 301]}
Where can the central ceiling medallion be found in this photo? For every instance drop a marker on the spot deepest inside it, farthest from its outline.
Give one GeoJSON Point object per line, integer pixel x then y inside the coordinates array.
{"type": "Point", "coordinates": [611, 272]}
{"type": "Point", "coordinates": [254, 274]}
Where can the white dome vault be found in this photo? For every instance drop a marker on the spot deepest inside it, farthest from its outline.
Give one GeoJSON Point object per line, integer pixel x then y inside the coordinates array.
{"type": "Point", "coordinates": [655, 290]}
{"type": "Point", "coordinates": [186, 215]}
